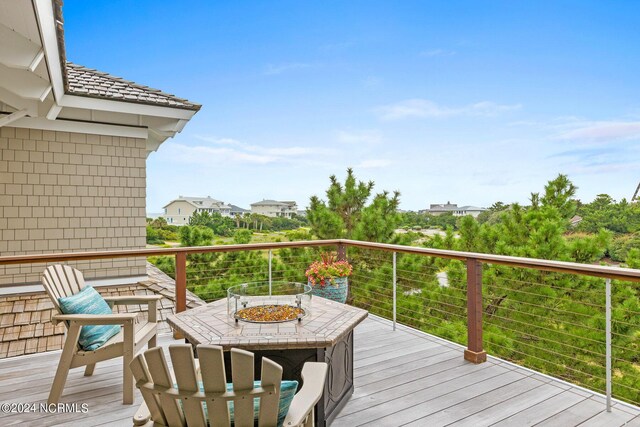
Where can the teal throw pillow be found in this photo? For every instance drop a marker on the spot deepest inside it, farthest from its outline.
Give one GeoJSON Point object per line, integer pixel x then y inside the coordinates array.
{"type": "Point", "coordinates": [89, 301]}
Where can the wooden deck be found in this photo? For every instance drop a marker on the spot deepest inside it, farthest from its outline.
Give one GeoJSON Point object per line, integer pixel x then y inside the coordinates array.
{"type": "Point", "coordinates": [404, 377]}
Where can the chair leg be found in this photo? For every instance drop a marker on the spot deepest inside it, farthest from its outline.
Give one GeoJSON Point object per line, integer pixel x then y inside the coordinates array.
{"type": "Point", "coordinates": [88, 371]}
{"type": "Point", "coordinates": [65, 364]}
{"type": "Point", "coordinates": [310, 421]}
{"type": "Point", "coordinates": [127, 357]}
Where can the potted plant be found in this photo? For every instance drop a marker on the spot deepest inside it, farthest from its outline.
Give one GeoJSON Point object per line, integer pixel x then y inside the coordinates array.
{"type": "Point", "coordinates": [328, 277]}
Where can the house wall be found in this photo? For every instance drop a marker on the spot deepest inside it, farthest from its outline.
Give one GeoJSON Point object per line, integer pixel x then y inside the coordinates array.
{"type": "Point", "coordinates": [267, 210]}
{"type": "Point", "coordinates": [71, 192]}
{"type": "Point", "coordinates": [272, 210]}
{"type": "Point", "coordinates": [178, 212]}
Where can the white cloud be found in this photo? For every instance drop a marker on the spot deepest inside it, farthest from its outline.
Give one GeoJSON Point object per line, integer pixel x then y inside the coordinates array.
{"type": "Point", "coordinates": [424, 108]}
{"type": "Point", "coordinates": [372, 136]}
{"type": "Point", "coordinates": [373, 164]}
{"type": "Point", "coordinates": [209, 155]}
{"type": "Point", "coordinates": [232, 150]}
{"type": "Point", "coordinates": [274, 69]}
{"type": "Point", "coordinates": [437, 52]}
{"type": "Point", "coordinates": [602, 131]}
{"type": "Point", "coordinates": [602, 168]}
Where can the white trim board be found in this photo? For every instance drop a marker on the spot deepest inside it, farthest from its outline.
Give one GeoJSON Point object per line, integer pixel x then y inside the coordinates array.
{"type": "Point", "coordinates": [81, 127]}
{"type": "Point", "coordinates": [97, 283]}
{"type": "Point", "coordinates": [47, 23]}
{"type": "Point", "coordinates": [88, 103]}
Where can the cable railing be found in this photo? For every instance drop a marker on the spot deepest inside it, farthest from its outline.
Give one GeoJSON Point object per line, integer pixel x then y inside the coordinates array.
{"type": "Point", "coordinates": [577, 322]}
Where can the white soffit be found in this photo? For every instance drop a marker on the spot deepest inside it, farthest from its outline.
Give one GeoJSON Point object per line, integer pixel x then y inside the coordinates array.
{"type": "Point", "coordinates": [18, 51]}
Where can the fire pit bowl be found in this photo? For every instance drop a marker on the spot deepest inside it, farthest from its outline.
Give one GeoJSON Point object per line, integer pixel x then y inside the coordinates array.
{"type": "Point", "coordinates": [262, 302]}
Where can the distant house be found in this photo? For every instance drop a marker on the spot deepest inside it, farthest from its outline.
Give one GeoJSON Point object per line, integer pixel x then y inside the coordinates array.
{"type": "Point", "coordinates": [237, 210]}
{"type": "Point", "coordinates": [275, 208]}
{"type": "Point", "coordinates": [178, 211]}
{"type": "Point", "coordinates": [439, 209]}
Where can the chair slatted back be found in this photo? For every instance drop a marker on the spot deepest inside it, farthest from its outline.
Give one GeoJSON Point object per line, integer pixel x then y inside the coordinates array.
{"type": "Point", "coordinates": [214, 379]}
{"type": "Point", "coordinates": [169, 405]}
{"type": "Point", "coordinates": [61, 281]}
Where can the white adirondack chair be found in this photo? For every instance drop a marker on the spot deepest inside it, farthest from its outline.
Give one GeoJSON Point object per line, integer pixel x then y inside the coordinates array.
{"type": "Point", "coordinates": [63, 281]}
{"type": "Point", "coordinates": [162, 398]}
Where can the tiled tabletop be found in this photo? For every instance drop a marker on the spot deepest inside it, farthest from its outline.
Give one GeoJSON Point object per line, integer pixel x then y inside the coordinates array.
{"type": "Point", "coordinates": [323, 327]}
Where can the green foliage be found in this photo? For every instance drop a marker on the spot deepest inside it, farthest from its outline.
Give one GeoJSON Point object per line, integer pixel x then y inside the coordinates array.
{"type": "Point", "coordinates": [282, 223]}
{"type": "Point", "coordinates": [427, 220]}
{"type": "Point", "coordinates": [252, 221]}
{"type": "Point", "coordinates": [195, 236]}
{"type": "Point", "coordinates": [153, 237]}
{"type": "Point", "coordinates": [633, 258]}
{"type": "Point", "coordinates": [242, 237]}
{"type": "Point", "coordinates": [622, 245]}
{"type": "Point", "coordinates": [220, 225]}
{"type": "Point", "coordinates": [299, 234]}
{"type": "Point", "coordinates": [378, 221]}
{"type": "Point", "coordinates": [158, 231]}
{"type": "Point", "coordinates": [605, 213]}
{"type": "Point", "coordinates": [559, 194]}
{"type": "Point", "coordinates": [492, 214]}
{"type": "Point", "coordinates": [346, 213]}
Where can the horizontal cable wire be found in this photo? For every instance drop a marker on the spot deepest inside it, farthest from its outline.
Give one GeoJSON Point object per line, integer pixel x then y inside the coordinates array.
{"type": "Point", "coordinates": [544, 296]}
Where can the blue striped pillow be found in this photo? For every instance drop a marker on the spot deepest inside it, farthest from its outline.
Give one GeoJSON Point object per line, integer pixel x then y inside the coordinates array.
{"type": "Point", "coordinates": [287, 392]}
{"type": "Point", "coordinates": [89, 301]}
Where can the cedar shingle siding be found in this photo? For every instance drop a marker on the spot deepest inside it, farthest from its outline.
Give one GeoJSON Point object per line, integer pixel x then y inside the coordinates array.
{"type": "Point", "coordinates": [70, 192]}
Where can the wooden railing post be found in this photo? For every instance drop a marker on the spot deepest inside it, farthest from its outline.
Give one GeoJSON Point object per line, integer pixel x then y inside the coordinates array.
{"type": "Point", "coordinates": [342, 252]}
{"type": "Point", "coordinates": [474, 352]}
{"type": "Point", "coordinates": [181, 286]}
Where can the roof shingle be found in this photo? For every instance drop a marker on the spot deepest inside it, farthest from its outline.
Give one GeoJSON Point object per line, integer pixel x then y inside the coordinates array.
{"type": "Point", "coordinates": [83, 81]}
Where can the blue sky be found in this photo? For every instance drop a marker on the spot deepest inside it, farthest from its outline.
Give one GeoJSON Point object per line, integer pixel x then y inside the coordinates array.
{"type": "Point", "coordinates": [464, 101]}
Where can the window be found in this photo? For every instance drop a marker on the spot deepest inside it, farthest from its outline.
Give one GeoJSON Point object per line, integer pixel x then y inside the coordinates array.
{"type": "Point", "coordinates": [178, 211]}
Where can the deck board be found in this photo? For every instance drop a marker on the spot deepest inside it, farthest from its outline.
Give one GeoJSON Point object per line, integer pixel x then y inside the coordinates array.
{"type": "Point", "coordinates": [402, 377]}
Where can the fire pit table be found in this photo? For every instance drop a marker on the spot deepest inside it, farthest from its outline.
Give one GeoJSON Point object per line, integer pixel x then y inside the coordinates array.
{"type": "Point", "coordinates": [322, 333]}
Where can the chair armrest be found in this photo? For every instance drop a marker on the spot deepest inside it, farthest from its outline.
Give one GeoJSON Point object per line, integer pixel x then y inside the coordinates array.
{"type": "Point", "coordinates": [95, 319]}
{"type": "Point", "coordinates": [314, 375]}
{"type": "Point", "coordinates": [152, 301]}
{"type": "Point", "coordinates": [132, 299]}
